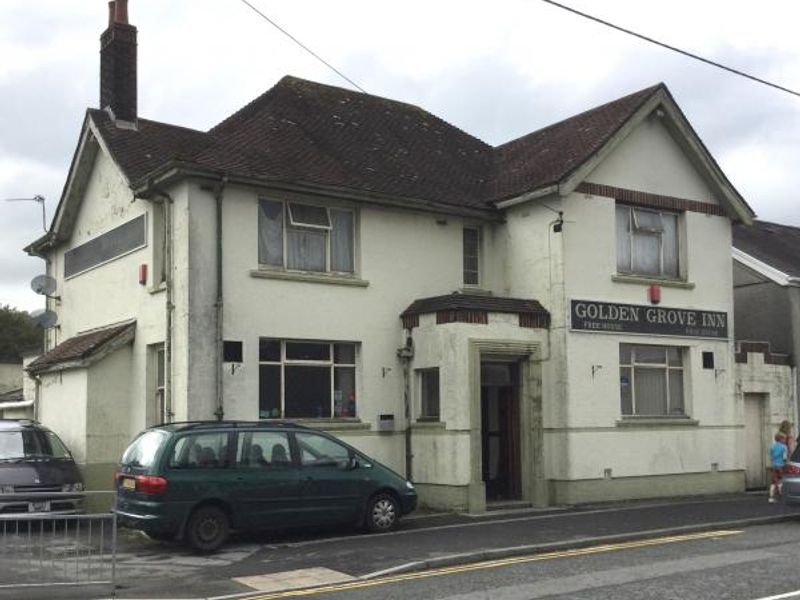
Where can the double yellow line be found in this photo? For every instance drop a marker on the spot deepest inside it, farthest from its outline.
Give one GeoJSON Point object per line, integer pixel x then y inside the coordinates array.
{"type": "Point", "coordinates": [493, 564]}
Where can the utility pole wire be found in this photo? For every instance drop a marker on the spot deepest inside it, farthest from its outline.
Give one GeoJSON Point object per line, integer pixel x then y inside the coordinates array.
{"type": "Point", "coordinates": [304, 47]}
{"type": "Point", "coordinates": [673, 48]}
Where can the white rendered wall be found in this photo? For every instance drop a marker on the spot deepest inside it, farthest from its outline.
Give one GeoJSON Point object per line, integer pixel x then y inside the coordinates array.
{"type": "Point", "coordinates": [10, 376]}
{"type": "Point", "coordinates": [581, 409]}
{"type": "Point", "coordinates": [650, 160]}
{"type": "Point", "coordinates": [62, 407]}
{"type": "Point", "coordinates": [445, 458]}
{"type": "Point", "coordinates": [110, 293]}
{"type": "Point", "coordinates": [403, 255]}
{"type": "Point", "coordinates": [107, 427]}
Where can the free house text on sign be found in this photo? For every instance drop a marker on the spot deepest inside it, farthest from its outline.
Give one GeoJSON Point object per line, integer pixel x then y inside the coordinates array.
{"type": "Point", "coordinates": [588, 315]}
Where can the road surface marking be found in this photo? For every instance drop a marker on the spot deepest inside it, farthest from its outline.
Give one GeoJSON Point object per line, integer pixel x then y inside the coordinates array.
{"type": "Point", "coordinates": [781, 596]}
{"type": "Point", "coordinates": [504, 562]}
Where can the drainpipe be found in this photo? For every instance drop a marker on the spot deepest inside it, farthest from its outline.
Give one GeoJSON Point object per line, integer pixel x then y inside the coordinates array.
{"type": "Point", "coordinates": [405, 354]}
{"type": "Point", "coordinates": [168, 203]}
{"type": "Point", "coordinates": [218, 305]}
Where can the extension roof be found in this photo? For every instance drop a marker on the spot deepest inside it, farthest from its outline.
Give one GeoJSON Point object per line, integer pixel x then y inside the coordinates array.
{"type": "Point", "coordinates": [85, 349]}
{"type": "Point", "coordinates": [458, 301]}
{"type": "Point", "coordinates": [333, 140]}
{"type": "Point", "coordinates": [775, 246]}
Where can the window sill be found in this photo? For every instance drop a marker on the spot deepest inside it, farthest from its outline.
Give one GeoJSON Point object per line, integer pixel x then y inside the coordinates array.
{"type": "Point", "coordinates": [309, 277]}
{"type": "Point", "coordinates": [645, 280]}
{"type": "Point", "coordinates": [651, 422]}
{"type": "Point", "coordinates": [428, 425]}
{"type": "Point", "coordinates": [332, 424]}
{"type": "Point", "coordinates": [155, 289]}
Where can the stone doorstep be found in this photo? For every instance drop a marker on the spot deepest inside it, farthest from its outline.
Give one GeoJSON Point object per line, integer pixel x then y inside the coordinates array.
{"type": "Point", "coordinates": [288, 580]}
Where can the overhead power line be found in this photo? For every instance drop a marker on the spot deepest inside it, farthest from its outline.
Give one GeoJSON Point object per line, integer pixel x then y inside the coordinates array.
{"type": "Point", "coordinates": [673, 48]}
{"type": "Point", "coordinates": [304, 47]}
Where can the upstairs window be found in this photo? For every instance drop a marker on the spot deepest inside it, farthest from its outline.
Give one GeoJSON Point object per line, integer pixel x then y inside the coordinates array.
{"type": "Point", "coordinates": [651, 380]}
{"type": "Point", "coordinates": [306, 237]}
{"type": "Point", "coordinates": [647, 242]}
{"type": "Point", "coordinates": [471, 253]}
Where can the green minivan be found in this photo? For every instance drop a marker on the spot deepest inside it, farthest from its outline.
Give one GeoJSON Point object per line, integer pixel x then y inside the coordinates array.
{"type": "Point", "coordinates": [198, 481]}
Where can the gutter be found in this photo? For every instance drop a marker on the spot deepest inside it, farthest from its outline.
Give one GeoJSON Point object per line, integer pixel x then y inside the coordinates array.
{"type": "Point", "coordinates": [177, 170]}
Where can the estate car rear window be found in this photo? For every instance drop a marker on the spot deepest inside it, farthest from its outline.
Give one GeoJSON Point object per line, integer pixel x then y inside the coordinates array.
{"type": "Point", "coordinates": [142, 452]}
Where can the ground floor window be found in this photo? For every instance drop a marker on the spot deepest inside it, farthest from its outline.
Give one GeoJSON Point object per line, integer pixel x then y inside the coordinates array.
{"type": "Point", "coordinates": [428, 394]}
{"type": "Point", "coordinates": [306, 379]}
{"type": "Point", "coordinates": [651, 380]}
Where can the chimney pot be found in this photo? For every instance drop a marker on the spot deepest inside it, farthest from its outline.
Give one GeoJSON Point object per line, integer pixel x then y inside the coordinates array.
{"type": "Point", "coordinates": [111, 10]}
{"type": "Point", "coordinates": [121, 11]}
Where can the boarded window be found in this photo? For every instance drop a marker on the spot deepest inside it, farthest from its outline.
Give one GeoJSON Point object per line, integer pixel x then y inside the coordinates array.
{"type": "Point", "coordinates": [105, 247]}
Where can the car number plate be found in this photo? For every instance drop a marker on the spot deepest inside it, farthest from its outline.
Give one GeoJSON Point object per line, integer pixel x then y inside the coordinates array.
{"type": "Point", "coordinates": [38, 506]}
{"type": "Point", "coordinates": [128, 483]}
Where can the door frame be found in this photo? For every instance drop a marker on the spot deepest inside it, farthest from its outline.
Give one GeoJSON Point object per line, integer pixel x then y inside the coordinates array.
{"type": "Point", "coordinates": [531, 439]}
{"type": "Point", "coordinates": [512, 428]}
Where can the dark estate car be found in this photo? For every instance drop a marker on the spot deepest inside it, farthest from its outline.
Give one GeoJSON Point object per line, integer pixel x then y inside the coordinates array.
{"type": "Point", "coordinates": [37, 472]}
{"type": "Point", "coordinates": [197, 481]}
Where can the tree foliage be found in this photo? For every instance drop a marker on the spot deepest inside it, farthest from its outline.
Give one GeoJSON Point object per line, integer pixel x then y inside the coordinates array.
{"type": "Point", "coordinates": [18, 334]}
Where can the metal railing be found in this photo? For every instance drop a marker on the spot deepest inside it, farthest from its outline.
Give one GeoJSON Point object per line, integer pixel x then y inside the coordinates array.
{"type": "Point", "coordinates": [54, 549]}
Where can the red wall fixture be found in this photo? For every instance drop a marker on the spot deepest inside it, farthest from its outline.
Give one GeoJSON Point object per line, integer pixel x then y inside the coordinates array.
{"type": "Point", "coordinates": [654, 294]}
{"type": "Point", "coordinates": [142, 274]}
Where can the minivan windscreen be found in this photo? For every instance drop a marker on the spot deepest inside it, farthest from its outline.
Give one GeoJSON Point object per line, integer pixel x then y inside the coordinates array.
{"type": "Point", "coordinates": [31, 444]}
{"type": "Point", "coordinates": [142, 452]}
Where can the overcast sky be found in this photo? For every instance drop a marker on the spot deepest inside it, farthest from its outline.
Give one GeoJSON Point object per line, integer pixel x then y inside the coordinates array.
{"type": "Point", "coordinates": [497, 70]}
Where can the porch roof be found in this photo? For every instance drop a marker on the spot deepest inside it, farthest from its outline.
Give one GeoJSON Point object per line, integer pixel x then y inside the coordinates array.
{"type": "Point", "coordinates": [81, 350]}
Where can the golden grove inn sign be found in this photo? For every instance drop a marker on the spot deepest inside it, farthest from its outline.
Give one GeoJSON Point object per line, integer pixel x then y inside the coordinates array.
{"type": "Point", "coordinates": [606, 317]}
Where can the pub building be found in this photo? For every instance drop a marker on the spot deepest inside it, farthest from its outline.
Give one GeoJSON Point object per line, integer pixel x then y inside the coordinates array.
{"type": "Point", "coordinates": [547, 321]}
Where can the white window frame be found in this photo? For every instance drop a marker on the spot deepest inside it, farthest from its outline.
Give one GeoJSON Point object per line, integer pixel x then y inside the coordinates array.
{"type": "Point", "coordinates": [289, 222]}
{"type": "Point", "coordinates": [421, 375]}
{"type": "Point", "coordinates": [331, 364]}
{"type": "Point", "coordinates": [634, 228]}
{"type": "Point", "coordinates": [478, 257]}
{"type": "Point", "coordinates": [633, 365]}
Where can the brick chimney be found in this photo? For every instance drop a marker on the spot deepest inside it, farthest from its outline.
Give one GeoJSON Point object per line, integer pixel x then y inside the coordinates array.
{"type": "Point", "coordinates": [118, 63]}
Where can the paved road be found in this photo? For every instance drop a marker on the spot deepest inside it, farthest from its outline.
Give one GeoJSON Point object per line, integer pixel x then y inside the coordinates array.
{"type": "Point", "coordinates": [755, 563]}
{"type": "Point", "coordinates": [146, 569]}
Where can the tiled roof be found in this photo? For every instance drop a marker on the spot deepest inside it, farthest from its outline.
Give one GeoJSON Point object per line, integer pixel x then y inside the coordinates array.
{"type": "Point", "coordinates": [80, 347]}
{"type": "Point", "coordinates": [773, 244]}
{"type": "Point", "coordinates": [546, 156]}
{"type": "Point", "coordinates": [140, 151]}
{"type": "Point", "coordinates": [474, 302]}
{"type": "Point", "coordinates": [305, 132]}
{"type": "Point", "coordinates": [11, 396]}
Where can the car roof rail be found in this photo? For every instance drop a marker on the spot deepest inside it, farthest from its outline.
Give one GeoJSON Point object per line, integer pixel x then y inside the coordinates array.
{"type": "Point", "coordinates": [185, 425]}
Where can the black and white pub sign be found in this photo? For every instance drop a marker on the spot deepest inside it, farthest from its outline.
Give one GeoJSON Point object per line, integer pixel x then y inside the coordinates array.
{"type": "Point", "coordinates": [608, 317]}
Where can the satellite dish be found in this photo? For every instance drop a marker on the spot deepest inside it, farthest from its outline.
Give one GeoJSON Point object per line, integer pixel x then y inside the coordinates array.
{"type": "Point", "coordinates": [44, 318]}
{"type": "Point", "coordinates": [44, 285]}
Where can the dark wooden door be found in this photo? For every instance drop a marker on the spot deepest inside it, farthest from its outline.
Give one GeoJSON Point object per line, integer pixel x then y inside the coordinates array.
{"type": "Point", "coordinates": [500, 441]}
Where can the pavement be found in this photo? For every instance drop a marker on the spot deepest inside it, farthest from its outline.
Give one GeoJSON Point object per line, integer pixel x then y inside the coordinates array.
{"type": "Point", "coordinates": [258, 563]}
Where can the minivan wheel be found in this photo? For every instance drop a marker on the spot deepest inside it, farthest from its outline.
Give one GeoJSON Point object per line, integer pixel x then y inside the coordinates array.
{"type": "Point", "coordinates": [382, 513]}
{"type": "Point", "coordinates": [207, 529]}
